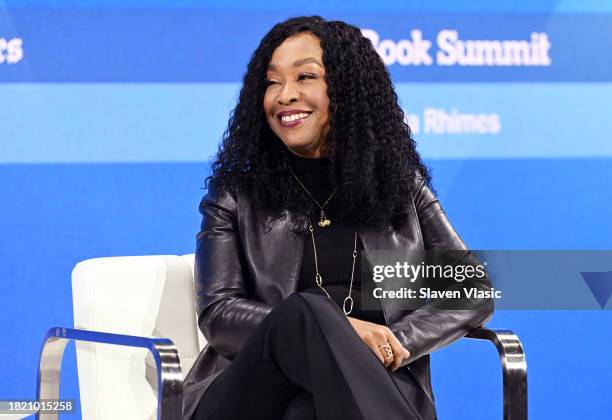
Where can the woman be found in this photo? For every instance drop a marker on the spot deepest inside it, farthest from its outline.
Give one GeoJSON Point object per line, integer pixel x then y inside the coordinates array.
{"type": "Point", "coordinates": [316, 165]}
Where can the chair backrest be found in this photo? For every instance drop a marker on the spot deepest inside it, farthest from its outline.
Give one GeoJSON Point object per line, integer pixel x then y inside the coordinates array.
{"type": "Point", "coordinates": [151, 296]}
{"type": "Point", "coordinates": [190, 259]}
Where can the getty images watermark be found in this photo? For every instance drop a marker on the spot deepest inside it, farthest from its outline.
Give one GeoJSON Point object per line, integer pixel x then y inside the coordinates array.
{"type": "Point", "coordinates": [411, 273]}
{"type": "Point", "coordinates": [463, 279]}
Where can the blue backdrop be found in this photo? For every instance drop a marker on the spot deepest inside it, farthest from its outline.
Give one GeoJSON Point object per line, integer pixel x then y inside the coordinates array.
{"type": "Point", "coordinates": [111, 110]}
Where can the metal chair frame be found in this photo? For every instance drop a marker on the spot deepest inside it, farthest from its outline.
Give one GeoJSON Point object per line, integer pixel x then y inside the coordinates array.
{"type": "Point", "coordinates": [169, 373]}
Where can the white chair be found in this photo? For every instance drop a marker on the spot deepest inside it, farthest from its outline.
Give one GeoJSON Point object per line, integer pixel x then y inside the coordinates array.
{"type": "Point", "coordinates": [144, 307]}
{"type": "Point", "coordinates": [150, 296]}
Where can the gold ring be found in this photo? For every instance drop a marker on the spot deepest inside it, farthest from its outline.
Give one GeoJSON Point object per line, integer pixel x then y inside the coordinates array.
{"type": "Point", "coordinates": [387, 349]}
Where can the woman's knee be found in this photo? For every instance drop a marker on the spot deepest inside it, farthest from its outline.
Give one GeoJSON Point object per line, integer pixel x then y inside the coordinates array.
{"type": "Point", "coordinates": [293, 305]}
{"type": "Point", "coordinates": [288, 319]}
{"type": "Point", "coordinates": [300, 408]}
{"type": "Point", "coordinates": [293, 310]}
{"type": "Point", "coordinates": [301, 308]}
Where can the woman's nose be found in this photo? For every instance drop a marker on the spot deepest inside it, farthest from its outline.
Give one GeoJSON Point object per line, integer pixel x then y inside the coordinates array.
{"type": "Point", "coordinates": [289, 93]}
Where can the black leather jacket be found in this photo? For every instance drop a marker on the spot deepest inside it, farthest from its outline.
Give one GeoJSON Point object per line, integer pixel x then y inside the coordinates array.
{"type": "Point", "coordinates": [242, 271]}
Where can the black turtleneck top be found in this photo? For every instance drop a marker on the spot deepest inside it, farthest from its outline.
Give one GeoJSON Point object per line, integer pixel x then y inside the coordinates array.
{"type": "Point", "coordinates": [334, 243]}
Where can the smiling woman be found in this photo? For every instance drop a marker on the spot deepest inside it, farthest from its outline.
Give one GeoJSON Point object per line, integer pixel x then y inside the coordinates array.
{"type": "Point", "coordinates": [317, 133]}
{"type": "Point", "coordinates": [296, 101]}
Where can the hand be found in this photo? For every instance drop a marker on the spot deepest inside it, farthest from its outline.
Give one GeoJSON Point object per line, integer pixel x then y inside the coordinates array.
{"type": "Point", "coordinates": [374, 336]}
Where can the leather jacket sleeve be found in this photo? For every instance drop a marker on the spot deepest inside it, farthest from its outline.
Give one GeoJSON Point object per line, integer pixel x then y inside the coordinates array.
{"type": "Point", "coordinates": [226, 315]}
{"type": "Point", "coordinates": [434, 325]}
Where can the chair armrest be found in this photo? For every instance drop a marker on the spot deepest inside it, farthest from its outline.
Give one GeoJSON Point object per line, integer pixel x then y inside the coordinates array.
{"type": "Point", "coordinates": [169, 374]}
{"type": "Point", "coordinates": [514, 369]}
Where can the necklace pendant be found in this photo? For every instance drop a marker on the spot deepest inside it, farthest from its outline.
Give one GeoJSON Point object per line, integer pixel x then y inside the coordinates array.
{"type": "Point", "coordinates": [318, 279]}
{"type": "Point", "coordinates": [348, 302]}
{"type": "Point", "coordinates": [324, 221]}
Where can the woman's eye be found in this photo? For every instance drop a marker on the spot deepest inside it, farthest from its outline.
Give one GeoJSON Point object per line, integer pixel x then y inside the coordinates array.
{"type": "Point", "coordinates": [307, 76]}
{"type": "Point", "coordinates": [302, 76]}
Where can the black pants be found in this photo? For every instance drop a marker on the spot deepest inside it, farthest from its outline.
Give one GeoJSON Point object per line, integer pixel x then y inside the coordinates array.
{"type": "Point", "coordinates": [305, 361]}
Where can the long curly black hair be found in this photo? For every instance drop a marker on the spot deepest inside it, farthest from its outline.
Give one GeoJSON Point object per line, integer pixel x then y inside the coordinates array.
{"type": "Point", "coordinates": [373, 157]}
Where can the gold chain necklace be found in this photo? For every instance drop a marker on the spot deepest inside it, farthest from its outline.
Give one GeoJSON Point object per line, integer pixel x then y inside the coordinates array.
{"type": "Point", "coordinates": [324, 220]}
{"type": "Point", "coordinates": [348, 300]}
